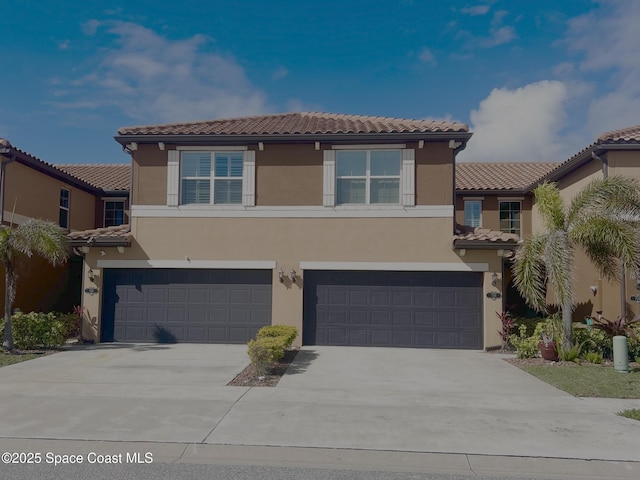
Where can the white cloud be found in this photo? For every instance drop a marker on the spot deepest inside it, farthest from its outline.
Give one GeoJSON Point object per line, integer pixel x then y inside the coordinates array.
{"type": "Point", "coordinates": [91, 27]}
{"type": "Point", "coordinates": [607, 39]}
{"type": "Point", "coordinates": [153, 79]}
{"type": "Point", "coordinates": [64, 45]}
{"type": "Point", "coordinates": [279, 73]}
{"type": "Point", "coordinates": [297, 105]}
{"type": "Point", "coordinates": [426, 56]}
{"type": "Point", "coordinates": [498, 36]}
{"type": "Point", "coordinates": [519, 125]}
{"type": "Point", "coordinates": [476, 10]}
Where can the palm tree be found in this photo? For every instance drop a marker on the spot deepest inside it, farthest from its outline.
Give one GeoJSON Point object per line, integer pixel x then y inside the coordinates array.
{"type": "Point", "coordinates": [602, 220]}
{"type": "Point", "coordinates": [33, 236]}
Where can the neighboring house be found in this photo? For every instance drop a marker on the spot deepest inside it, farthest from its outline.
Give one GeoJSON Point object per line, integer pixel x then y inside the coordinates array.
{"type": "Point", "coordinates": [32, 188]}
{"type": "Point", "coordinates": [613, 153]}
{"type": "Point", "coordinates": [340, 225]}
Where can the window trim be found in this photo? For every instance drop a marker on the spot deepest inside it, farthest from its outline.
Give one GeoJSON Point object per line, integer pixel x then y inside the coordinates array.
{"type": "Point", "coordinates": [174, 177]}
{"type": "Point", "coordinates": [511, 200]}
{"type": "Point", "coordinates": [66, 209]}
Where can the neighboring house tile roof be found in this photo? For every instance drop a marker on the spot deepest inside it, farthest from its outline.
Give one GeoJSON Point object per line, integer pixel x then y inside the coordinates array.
{"type": "Point", "coordinates": [624, 135]}
{"type": "Point", "coordinates": [107, 177]}
{"type": "Point", "coordinates": [298, 123]}
{"type": "Point", "coordinates": [500, 176]}
{"type": "Point", "coordinates": [108, 236]}
{"type": "Point", "coordinates": [464, 233]}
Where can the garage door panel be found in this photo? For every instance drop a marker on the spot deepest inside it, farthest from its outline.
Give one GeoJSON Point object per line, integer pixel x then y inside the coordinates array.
{"type": "Point", "coordinates": [212, 306]}
{"type": "Point", "coordinates": [404, 309]}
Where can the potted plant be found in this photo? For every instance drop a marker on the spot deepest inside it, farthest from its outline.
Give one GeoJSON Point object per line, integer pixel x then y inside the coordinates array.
{"type": "Point", "coordinates": [549, 331]}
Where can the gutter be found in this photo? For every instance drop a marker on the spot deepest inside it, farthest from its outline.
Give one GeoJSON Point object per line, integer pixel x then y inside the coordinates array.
{"type": "Point", "coordinates": [292, 138]}
{"type": "Point", "coordinates": [483, 245]}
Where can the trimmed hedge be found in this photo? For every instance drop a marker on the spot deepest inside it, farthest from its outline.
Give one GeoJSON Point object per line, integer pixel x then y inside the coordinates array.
{"type": "Point", "coordinates": [269, 346]}
{"type": "Point", "coordinates": [46, 330]}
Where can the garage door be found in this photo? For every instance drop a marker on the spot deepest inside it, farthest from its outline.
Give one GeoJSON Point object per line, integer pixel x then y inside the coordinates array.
{"type": "Point", "coordinates": [393, 309]}
{"type": "Point", "coordinates": [199, 306]}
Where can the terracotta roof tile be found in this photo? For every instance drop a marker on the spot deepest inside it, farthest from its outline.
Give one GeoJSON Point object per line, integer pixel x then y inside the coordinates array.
{"type": "Point", "coordinates": [298, 123]}
{"type": "Point", "coordinates": [624, 135]}
{"type": "Point", "coordinates": [105, 176]}
{"type": "Point", "coordinates": [499, 176]}
{"type": "Point", "coordinates": [98, 235]}
{"type": "Point", "coordinates": [466, 233]}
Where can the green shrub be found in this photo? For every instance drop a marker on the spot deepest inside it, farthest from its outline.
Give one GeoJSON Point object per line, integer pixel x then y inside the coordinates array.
{"type": "Point", "coordinates": [33, 330]}
{"type": "Point", "coordinates": [529, 324]}
{"type": "Point", "coordinates": [526, 345]}
{"type": "Point", "coordinates": [569, 354]}
{"type": "Point", "coordinates": [264, 352]}
{"type": "Point", "coordinates": [287, 332]}
{"type": "Point", "coordinates": [593, 357]}
{"type": "Point", "coordinates": [593, 340]}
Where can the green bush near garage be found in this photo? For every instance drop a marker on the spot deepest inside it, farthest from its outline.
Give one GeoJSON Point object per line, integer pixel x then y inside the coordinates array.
{"type": "Point", "coordinates": [42, 330]}
{"type": "Point", "coordinates": [269, 346]}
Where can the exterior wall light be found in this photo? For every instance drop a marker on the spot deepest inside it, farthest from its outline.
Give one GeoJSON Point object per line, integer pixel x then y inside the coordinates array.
{"type": "Point", "coordinates": [91, 275]}
{"type": "Point", "coordinates": [293, 275]}
{"type": "Point", "coordinates": [281, 276]}
{"type": "Point", "coordinates": [494, 280]}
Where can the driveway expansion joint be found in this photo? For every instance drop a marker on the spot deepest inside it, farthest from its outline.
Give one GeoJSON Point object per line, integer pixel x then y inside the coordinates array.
{"type": "Point", "coordinates": [225, 414]}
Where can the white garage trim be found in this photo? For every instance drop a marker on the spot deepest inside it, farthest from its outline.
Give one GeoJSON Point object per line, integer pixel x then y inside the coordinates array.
{"type": "Point", "coordinates": [397, 266]}
{"type": "Point", "coordinates": [232, 264]}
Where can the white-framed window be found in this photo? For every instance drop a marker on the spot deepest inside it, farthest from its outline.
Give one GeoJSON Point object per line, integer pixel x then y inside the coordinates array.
{"type": "Point", "coordinates": [211, 178]}
{"type": "Point", "coordinates": [368, 177]}
{"type": "Point", "coordinates": [473, 213]}
{"type": "Point", "coordinates": [510, 216]}
{"type": "Point", "coordinates": [63, 216]}
{"type": "Point", "coordinates": [377, 174]}
{"type": "Point", "coordinates": [113, 213]}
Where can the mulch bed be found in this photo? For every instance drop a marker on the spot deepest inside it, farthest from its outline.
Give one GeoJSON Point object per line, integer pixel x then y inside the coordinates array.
{"type": "Point", "coordinates": [249, 378]}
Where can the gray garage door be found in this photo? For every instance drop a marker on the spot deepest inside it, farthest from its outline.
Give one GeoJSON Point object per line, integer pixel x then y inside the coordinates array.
{"type": "Point", "coordinates": [191, 305]}
{"type": "Point", "coordinates": [393, 309]}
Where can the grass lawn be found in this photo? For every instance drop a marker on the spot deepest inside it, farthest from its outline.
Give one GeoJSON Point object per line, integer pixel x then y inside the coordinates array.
{"type": "Point", "coordinates": [6, 359]}
{"type": "Point", "coordinates": [589, 380]}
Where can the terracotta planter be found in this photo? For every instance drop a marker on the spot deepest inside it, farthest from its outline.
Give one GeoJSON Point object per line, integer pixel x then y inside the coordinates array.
{"type": "Point", "coordinates": [548, 352]}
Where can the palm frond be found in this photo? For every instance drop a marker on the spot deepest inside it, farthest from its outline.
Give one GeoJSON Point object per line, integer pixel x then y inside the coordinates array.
{"type": "Point", "coordinates": [529, 271]}
{"type": "Point", "coordinates": [606, 195]}
{"type": "Point", "coordinates": [42, 238]}
{"type": "Point", "coordinates": [550, 205]}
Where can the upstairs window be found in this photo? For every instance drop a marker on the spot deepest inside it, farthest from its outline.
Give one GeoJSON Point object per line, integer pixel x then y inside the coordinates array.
{"type": "Point", "coordinates": [368, 177]}
{"type": "Point", "coordinates": [473, 213]}
{"type": "Point", "coordinates": [63, 216]}
{"type": "Point", "coordinates": [211, 178]}
{"type": "Point", "coordinates": [510, 216]}
{"type": "Point", "coordinates": [113, 213]}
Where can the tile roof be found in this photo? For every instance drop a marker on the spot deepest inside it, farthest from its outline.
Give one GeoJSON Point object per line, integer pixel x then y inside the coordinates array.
{"type": "Point", "coordinates": [101, 236]}
{"type": "Point", "coordinates": [298, 123]}
{"type": "Point", "coordinates": [104, 176]}
{"type": "Point", "coordinates": [624, 135]}
{"type": "Point", "coordinates": [484, 235]}
{"type": "Point", "coordinates": [500, 176]}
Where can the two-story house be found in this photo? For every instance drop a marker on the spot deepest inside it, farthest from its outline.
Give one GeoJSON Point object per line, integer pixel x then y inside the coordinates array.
{"type": "Point", "coordinates": [340, 225]}
{"type": "Point", "coordinates": [76, 197]}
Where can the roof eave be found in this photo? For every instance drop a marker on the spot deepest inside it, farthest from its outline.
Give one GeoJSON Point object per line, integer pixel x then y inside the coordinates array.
{"type": "Point", "coordinates": [97, 242]}
{"type": "Point", "coordinates": [291, 138]}
{"type": "Point", "coordinates": [489, 191]}
{"type": "Point", "coordinates": [484, 245]}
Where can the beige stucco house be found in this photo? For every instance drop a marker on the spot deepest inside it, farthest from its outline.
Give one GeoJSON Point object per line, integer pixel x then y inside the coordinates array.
{"type": "Point", "coordinates": [32, 188]}
{"type": "Point", "coordinates": [341, 225]}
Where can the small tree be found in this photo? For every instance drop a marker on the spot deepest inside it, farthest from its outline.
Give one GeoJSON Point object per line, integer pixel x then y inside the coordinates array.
{"type": "Point", "coordinates": [34, 236]}
{"type": "Point", "coordinates": [602, 219]}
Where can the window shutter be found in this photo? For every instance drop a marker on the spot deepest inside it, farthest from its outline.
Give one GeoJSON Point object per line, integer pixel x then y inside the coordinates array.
{"type": "Point", "coordinates": [173, 177]}
{"type": "Point", "coordinates": [329, 178]}
{"type": "Point", "coordinates": [408, 177]}
{"type": "Point", "coordinates": [249, 179]}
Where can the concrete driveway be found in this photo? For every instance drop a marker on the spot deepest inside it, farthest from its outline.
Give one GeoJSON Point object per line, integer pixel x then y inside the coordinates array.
{"type": "Point", "coordinates": [356, 398]}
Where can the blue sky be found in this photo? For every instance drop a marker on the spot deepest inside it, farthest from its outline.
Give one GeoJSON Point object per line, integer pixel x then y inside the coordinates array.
{"type": "Point", "coordinates": [536, 80]}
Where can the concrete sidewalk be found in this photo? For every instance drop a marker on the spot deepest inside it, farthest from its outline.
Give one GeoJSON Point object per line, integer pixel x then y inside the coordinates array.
{"type": "Point", "coordinates": [423, 404]}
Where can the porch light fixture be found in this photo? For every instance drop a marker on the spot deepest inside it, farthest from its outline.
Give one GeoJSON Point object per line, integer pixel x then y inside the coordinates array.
{"type": "Point", "coordinates": [293, 275]}
{"type": "Point", "coordinates": [91, 275]}
{"type": "Point", "coordinates": [494, 280]}
{"type": "Point", "coordinates": [281, 276]}
{"type": "Point", "coordinates": [594, 289]}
